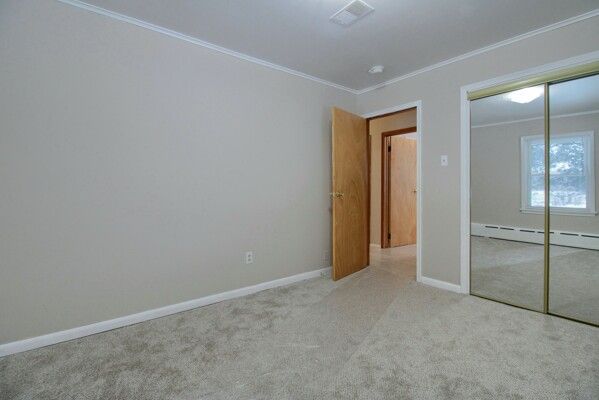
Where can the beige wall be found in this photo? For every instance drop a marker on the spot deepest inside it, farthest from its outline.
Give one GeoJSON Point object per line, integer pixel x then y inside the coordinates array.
{"type": "Point", "coordinates": [405, 119]}
{"type": "Point", "coordinates": [496, 174]}
{"type": "Point", "coordinates": [439, 90]}
{"type": "Point", "coordinates": [136, 169]}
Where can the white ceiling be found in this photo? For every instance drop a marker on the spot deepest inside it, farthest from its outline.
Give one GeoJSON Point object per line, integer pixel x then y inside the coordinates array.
{"type": "Point", "coordinates": [402, 35]}
{"type": "Point", "coordinates": [571, 97]}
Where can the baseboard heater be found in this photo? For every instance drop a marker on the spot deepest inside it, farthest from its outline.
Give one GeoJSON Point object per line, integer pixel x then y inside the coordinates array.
{"type": "Point", "coordinates": [529, 235]}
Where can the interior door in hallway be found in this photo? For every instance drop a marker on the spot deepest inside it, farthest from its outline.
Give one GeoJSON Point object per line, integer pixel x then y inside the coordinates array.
{"type": "Point", "coordinates": [350, 193]}
{"type": "Point", "coordinates": [402, 191]}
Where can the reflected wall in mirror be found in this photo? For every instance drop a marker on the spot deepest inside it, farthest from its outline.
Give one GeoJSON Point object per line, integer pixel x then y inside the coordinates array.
{"type": "Point", "coordinates": [507, 194]}
{"type": "Point", "coordinates": [574, 156]}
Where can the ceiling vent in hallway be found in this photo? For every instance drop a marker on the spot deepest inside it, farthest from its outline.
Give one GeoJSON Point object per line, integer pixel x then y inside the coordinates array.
{"type": "Point", "coordinates": [352, 12]}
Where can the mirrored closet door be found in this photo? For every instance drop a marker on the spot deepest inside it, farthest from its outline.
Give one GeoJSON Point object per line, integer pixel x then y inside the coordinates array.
{"type": "Point", "coordinates": [573, 151]}
{"type": "Point", "coordinates": [534, 233]}
{"type": "Point", "coordinates": [507, 167]}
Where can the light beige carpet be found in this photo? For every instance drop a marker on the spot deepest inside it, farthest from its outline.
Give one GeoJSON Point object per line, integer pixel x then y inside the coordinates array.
{"type": "Point", "coordinates": [375, 335]}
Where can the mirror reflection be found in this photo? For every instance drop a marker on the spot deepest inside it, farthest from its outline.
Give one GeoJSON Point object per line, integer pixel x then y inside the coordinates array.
{"type": "Point", "coordinates": [507, 197]}
{"type": "Point", "coordinates": [508, 172]}
{"type": "Point", "coordinates": [573, 151]}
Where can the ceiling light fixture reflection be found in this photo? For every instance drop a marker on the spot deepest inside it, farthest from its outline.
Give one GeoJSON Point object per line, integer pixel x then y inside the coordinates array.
{"type": "Point", "coordinates": [525, 95]}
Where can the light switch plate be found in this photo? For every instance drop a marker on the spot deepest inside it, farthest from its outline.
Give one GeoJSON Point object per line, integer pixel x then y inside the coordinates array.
{"type": "Point", "coordinates": [444, 161]}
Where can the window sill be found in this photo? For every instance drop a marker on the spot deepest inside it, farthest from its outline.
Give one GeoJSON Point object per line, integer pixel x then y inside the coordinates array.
{"type": "Point", "coordinates": [560, 212]}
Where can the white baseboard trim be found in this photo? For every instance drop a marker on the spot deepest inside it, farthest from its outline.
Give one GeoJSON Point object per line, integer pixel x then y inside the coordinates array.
{"type": "Point", "coordinates": [376, 246]}
{"type": "Point", "coordinates": [441, 284]}
{"type": "Point", "coordinates": [75, 333]}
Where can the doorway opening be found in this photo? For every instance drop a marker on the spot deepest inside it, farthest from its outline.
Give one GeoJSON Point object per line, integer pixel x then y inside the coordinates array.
{"type": "Point", "coordinates": [398, 187]}
{"type": "Point", "coordinates": [393, 190]}
{"type": "Point", "coordinates": [357, 196]}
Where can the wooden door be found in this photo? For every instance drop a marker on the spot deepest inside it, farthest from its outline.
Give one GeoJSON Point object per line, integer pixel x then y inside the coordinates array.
{"type": "Point", "coordinates": [402, 191]}
{"type": "Point", "coordinates": [350, 195]}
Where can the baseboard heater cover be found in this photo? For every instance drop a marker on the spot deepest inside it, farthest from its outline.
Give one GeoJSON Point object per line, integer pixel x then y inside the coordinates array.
{"type": "Point", "coordinates": [528, 235]}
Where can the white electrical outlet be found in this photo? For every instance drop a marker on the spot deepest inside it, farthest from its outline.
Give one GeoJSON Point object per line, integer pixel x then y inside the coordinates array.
{"type": "Point", "coordinates": [249, 257]}
{"type": "Point", "coordinates": [444, 161]}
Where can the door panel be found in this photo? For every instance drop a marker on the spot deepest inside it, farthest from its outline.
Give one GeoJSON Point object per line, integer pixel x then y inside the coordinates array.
{"type": "Point", "coordinates": [507, 183]}
{"type": "Point", "coordinates": [350, 193]}
{"type": "Point", "coordinates": [574, 176]}
{"type": "Point", "coordinates": [402, 191]}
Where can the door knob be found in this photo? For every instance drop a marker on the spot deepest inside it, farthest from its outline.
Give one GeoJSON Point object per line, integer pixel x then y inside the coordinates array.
{"type": "Point", "coordinates": [337, 195]}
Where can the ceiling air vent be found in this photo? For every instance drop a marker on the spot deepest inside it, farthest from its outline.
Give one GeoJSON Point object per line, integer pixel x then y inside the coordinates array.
{"type": "Point", "coordinates": [351, 13]}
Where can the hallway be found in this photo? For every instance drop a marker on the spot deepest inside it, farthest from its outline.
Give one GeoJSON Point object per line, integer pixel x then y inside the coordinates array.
{"type": "Point", "coordinates": [398, 260]}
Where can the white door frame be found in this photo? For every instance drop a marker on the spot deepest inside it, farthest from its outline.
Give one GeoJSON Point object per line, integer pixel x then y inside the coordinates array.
{"type": "Point", "coordinates": [418, 105]}
{"type": "Point", "coordinates": [465, 148]}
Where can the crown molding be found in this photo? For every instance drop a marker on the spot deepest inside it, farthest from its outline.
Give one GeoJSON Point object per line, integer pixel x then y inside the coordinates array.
{"type": "Point", "coordinates": [242, 56]}
{"type": "Point", "coordinates": [190, 39]}
{"type": "Point", "coordinates": [482, 50]}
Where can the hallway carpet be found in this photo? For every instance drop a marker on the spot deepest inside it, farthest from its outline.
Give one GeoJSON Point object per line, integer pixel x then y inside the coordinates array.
{"type": "Point", "coordinates": [375, 335]}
